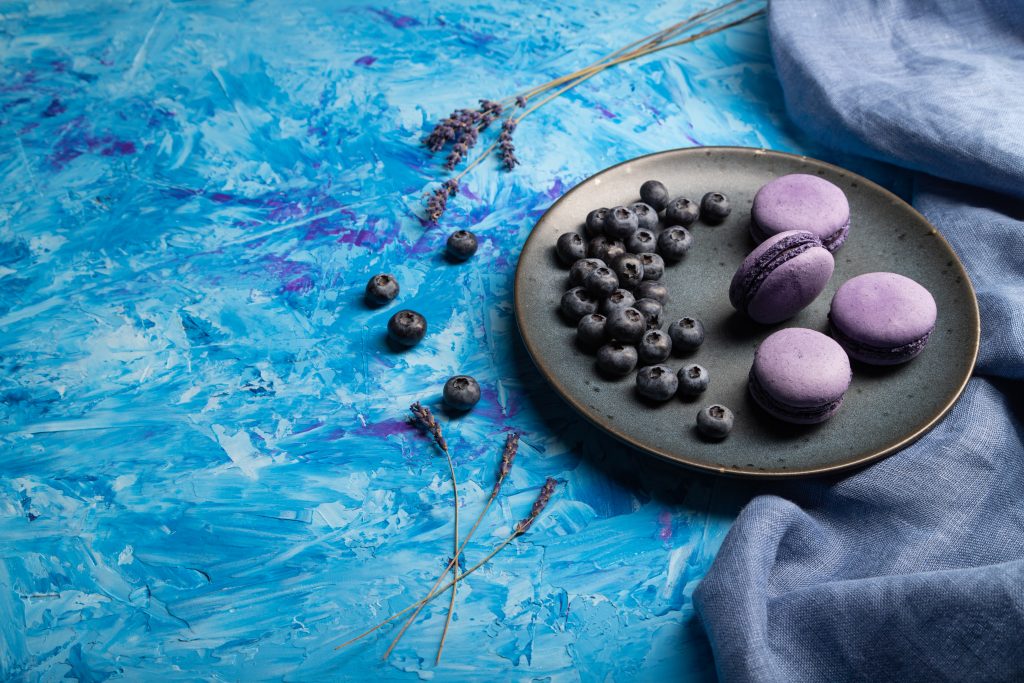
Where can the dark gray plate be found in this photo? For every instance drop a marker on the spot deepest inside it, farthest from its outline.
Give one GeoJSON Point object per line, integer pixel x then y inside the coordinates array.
{"type": "Point", "coordinates": [885, 409]}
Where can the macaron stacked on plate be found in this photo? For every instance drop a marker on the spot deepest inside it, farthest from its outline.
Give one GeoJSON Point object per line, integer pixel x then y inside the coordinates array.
{"type": "Point", "coordinates": [799, 201]}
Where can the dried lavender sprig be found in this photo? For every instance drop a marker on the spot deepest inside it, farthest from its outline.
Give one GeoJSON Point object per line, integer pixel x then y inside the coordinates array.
{"type": "Point", "coordinates": [538, 506]}
{"type": "Point", "coordinates": [507, 456]}
{"type": "Point", "coordinates": [508, 149]}
{"type": "Point", "coordinates": [426, 419]}
{"type": "Point", "coordinates": [520, 101]}
{"type": "Point", "coordinates": [438, 202]}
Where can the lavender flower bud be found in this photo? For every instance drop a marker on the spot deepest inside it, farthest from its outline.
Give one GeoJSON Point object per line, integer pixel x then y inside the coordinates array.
{"type": "Point", "coordinates": [546, 492]}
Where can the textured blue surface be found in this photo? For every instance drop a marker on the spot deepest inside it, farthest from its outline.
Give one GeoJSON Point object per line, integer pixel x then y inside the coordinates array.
{"type": "Point", "coordinates": [205, 468]}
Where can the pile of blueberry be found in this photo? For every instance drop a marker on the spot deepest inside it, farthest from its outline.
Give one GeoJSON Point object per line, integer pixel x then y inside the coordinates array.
{"type": "Point", "coordinates": [616, 299]}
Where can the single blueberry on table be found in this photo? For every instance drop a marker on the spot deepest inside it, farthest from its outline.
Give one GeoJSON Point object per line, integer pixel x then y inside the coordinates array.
{"type": "Point", "coordinates": [714, 208]}
{"type": "Point", "coordinates": [715, 421]}
{"type": "Point", "coordinates": [629, 269]}
{"type": "Point", "coordinates": [643, 241]}
{"type": "Point", "coordinates": [625, 325]}
{"type": "Point", "coordinates": [620, 298]}
{"type": "Point", "coordinates": [616, 359]}
{"type": "Point", "coordinates": [654, 194]}
{"type": "Point", "coordinates": [693, 380]}
{"type": "Point", "coordinates": [621, 222]}
{"type": "Point", "coordinates": [656, 382]}
{"type": "Point", "coordinates": [582, 268]}
{"type": "Point", "coordinates": [654, 267]}
{"type": "Point", "coordinates": [577, 303]}
{"type": "Point", "coordinates": [646, 216]}
{"type": "Point", "coordinates": [595, 222]}
{"type": "Point", "coordinates": [381, 289]}
{"type": "Point", "coordinates": [687, 334]}
{"type": "Point", "coordinates": [407, 328]}
{"type": "Point", "coordinates": [654, 347]}
{"type": "Point", "coordinates": [652, 290]}
{"type": "Point", "coordinates": [682, 211]}
{"type": "Point", "coordinates": [651, 310]}
{"type": "Point", "coordinates": [461, 392]}
{"type": "Point", "coordinates": [674, 242]}
{"type": "Point", "coordinates": [570, 247]}
{"type": "Point", "coordinates": [601, 282]}
{"type": "Point", "coordinates": [461, 245]}
{"type": "Point", "coordinates": [590, 331]}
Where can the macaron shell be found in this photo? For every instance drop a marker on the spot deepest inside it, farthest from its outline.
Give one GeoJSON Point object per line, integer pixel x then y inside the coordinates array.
{"type": "Point", "coordinates": [789, 288]}
{"type": "Point", "coordinates": [802, 368]}
{"type": "Point", "coordinates": [883, 310]}
{"type": "Point", "coordinates": [801, 202]}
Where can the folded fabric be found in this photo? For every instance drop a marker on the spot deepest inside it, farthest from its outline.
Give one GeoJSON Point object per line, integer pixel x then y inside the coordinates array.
{"type": "Point", "coordinates": [912, 569]}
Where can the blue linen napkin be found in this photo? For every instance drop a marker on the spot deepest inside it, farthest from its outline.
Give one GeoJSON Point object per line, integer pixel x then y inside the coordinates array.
{"type": "Point", "coordinates": [912, 569]}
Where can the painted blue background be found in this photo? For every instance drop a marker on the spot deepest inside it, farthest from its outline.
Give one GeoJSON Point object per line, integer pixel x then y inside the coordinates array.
{"type": "Point", "coordinates": [206, 470]}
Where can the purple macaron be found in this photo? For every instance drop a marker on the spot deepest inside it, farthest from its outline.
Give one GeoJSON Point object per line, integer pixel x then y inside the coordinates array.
{"type": "Point", "coordinates": [800, 376]}
{"type": "Point", "coordinates": [801, 202]}
{"type": "Point", "coordinates": [781, 276]}
{"type": "Point", "coordinates": [882, 318]}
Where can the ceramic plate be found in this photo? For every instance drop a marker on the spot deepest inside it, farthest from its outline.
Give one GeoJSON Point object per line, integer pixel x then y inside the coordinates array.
{"type": "Point", "coordinates": [885, 409]}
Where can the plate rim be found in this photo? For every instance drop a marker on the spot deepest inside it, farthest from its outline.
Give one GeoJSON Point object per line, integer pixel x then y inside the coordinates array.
{"type": "Point", "coordinates": [532, 350]}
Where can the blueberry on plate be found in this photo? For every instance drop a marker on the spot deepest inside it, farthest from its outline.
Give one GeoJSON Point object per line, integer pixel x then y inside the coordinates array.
{"type": "Point", "coordinates": [651, 311]}
{"type": "Point", "coordinates": [654, 347]}
{"type": "Point", "coordinates": [620, 223]}
{"type": "Point", "coordinates": [583, 268]}
{"type": "Point", "coordinates": [674, 242]}
{"type": "Point", "coordinates": [646, 216]}
{"type": "Point", "coordinates": [714, 208]}
{"type": "Point", "coordinates": [626, 325]}
{"type": "Point", "coordinates": [570, 247]}
{"type": "Point", "coordinates": [655, 194]}
{"type": "Point", "coordinates": [577, 303]}
{"type": "Point", "coordinates": [590, 330]}
{"type": "Point", "coordinates": [620, 298]}
{"type": "Point", "coordinates": [652, 290]}
{"type": "Point", "coordinates": [605, 248]}
{"type": "Point", "coordinates": [687, 334]}
{"type": "Point", "coordinates": [407, 328]}
{"type": "Point", "coordinates": [616, 359]}
{"type": "Point", "coordinates": [461, 392]}
{"type": "Point", "coordinates": [615, 249]}
{"type": "Point", "coordinates": [461, 245]}
{"type": "Point", "coordinates": [715, 421]}
{"type": "Point", "coordinates": [595, 222]}
{"type": "Point", "coordinates": [381, 289]}
{"type": "Point", "coordinates": [643, 241]}
{"type": "Point", "coordinates": [629, 269]}
{"type": "Point", "coordinates": [693, 380]}
{"type": "Point", "coordinates": [601, 282]}
{"type": "Point", "coordinates": [682, 211]}
{"type": "Point", "coordinates": [654, 266]}
{"type": "Point", "coordinates": [656, 382]}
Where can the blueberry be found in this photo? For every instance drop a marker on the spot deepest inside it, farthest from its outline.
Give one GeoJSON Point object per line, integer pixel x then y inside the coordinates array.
{"type": "Point", "coordinates": [461, 245]}
{"type": "Point", "coordinates": [674, 242]}
{"type": "Point", "coordinates": [715, 421]}
{"type": "Point", "coordinates": [595, 222]}
{"type": "Point", "coordinates": [381, 289]}
{"type": "Point", "coordinates": [626, 325]}
{"type": "Point", "coordinates": [583, 268]}
{"type": "Point", "coordinates": [654, 347]}
{"type": "Point", "coordinates": [621, 223]}
{"type": "Point", "coordinates": [616, 359]}
{"type": "Point", "coordinates": [570, 248]}
{"type": "Point", "coordinates": [646, 216]}
{"type": "Point", "coordinates": [655, 194]}
{"type": "Point", "coordinates": [407, 328]}
{"type": "Point", "coordinates": [654, 266]}
{"type": "Point", "coordinates": [656, 382]}
{"type": "Point", "coordinates": [651, 311]}
{"type": "Point", "coordinates": [652, 290]}
{"type": "Point", "coordinates": [714, 208]}
{"type": "Point", "coordinates": [600, 247]}
{"type": "Point", "coordinates": [461, 392]}
{"type": "Point", "coordinates": [687, 334]}
{"type": "Point", "coordinates": [630, 270]}
{"type": "Point", "coordinates": [615, 249]}
{"type": "Point", "coordinates": [682, 211]}
{"type": "Point", "coordinates": [693, 380]}
{"type": "Point", "coordinates": [590, 330]}
{"type": "Point", "coordinates": [601, 282]}
{"type": "Point", "coordinates": [643, 241]}
{"type": "Point", "coordinates": [577, 303]}
{"type": "Point", "coordinates": [620, 298]}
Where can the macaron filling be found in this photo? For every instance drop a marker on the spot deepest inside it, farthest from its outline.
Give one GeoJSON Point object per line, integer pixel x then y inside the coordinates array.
{"type": "Point", "coordinates": [796, 413]}
{"type": "Point", "coordinates": [879, 354]}
{"type": "Point", "coordinates": [787, 249]}
{"type": "Point", "coordinates": [832, 242]}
